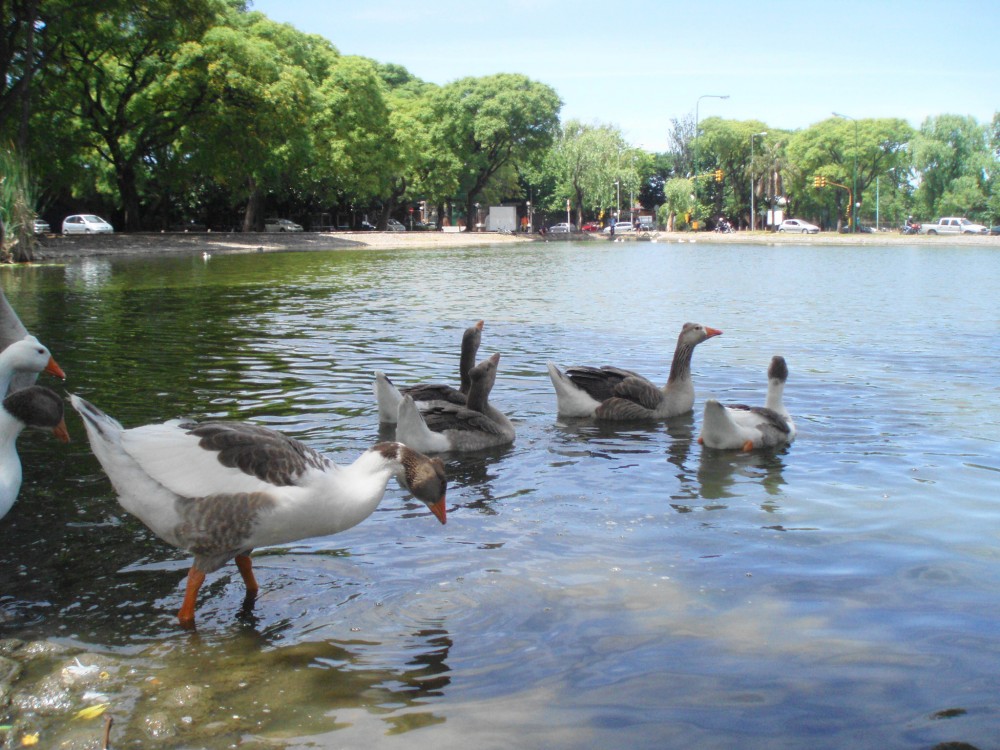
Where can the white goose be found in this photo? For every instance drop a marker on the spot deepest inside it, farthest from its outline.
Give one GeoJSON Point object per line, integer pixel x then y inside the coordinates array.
{"type": "Point", "coordinates": [611, 393]}
{"type": "Point", "coordinates": [439, 426]}
{"type": "Point", "coordinates": [220, 489]}
{"type": "Point", "coordinates": [740, 427]}
{"type": "Point", "coordinates": [11, 327]}
{"type": "Point", "coordinates": [34, 406]}
{"type": "Point", "coordinates": [389, 397]}
{"type": "Point", "coordinates": [26, 357]}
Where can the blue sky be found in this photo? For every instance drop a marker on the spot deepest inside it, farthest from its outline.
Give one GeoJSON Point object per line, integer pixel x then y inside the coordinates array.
{"type": "Point", "coordinates": [639, 64]}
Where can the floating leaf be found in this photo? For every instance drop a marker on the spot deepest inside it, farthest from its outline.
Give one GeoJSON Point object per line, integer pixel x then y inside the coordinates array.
{"type": "Point", "coordinates": [29, 739]}
{"type": "Point", "coordinates": [92, 712]}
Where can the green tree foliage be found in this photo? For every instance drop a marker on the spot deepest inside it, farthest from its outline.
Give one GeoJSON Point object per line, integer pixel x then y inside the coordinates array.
{"type": "Point", "coordinates": [493, 122]}
{"type": "Point", "coordinates": [679, 205]}
{"type": "Point", "coordinates": [254, 134]}
{"type": "Point", "coordinates": [17, 212]}
{"type": "Point", "coordinates": [828, 149]}
{"type": "Point", "coordinates": [952, 156]}
{"type": "Point", "coordinates": [118, 83]}
{"type": "Point", "coordinates": [585, 161]}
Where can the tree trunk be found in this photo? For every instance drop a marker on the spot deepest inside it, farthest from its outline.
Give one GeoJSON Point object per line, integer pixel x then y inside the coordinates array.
{"type": "Point", "coordinates": [251, 219]}
{"type": "Point", "coordinates": [471, 218]}
{"type": "Point", "coordinates": [29, 69]}
{"type": "Point", "coordinates": [129, 194]}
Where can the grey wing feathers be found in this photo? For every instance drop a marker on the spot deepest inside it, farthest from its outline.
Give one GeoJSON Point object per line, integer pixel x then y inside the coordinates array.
{"type": "Point", "coordinates": [772, 420]}
{"type": "Point", "coordinates": [448, 417]}
{"type": "Point", "coordinates": [435, 392]}
{"type": "Point", "coordinates": [636, 388]}
{"type": "Point", "coordinates": [598, 382]}
{"type": "Point", "coordinates": [268, 455]}
{"type": "Point", "coordinates": [622, 409]}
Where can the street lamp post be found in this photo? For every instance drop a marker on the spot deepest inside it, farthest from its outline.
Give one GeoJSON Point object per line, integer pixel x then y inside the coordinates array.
{"type": "Point", "coordinates": [854, 206]}
{"type": "Point", "coordinates": [618, 204]}
{"type": "Point", "coordinates": [753, 216]}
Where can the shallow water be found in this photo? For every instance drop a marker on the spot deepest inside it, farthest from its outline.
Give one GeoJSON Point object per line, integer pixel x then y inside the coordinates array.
{"type": "Point", "coordinates": [594, 587]}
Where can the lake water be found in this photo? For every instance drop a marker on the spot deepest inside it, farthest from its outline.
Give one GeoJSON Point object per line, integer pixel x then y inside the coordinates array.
{"type": "Point", "coordinates": [595, 587]}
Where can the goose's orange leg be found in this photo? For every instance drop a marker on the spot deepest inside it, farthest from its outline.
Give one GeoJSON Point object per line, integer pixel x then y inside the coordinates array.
{"type": "Point", "coordinates": [194, 580]}
{"type": "Point", "coordinates": [245, 566]}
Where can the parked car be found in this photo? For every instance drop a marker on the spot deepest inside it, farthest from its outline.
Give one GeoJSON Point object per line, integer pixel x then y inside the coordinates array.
{"type": "Point", "coordinates": [797, 226]}
{"type": "Point", "coordinates": [591, 226]}
{"type": "Point", "coordinates": [953, 225]}
{"type": "Point", "coordinates": [994, 231]}
{"type": "Point", "coordinates": [42, 226]}
{"type": "Point", "coordinates": [394, 226]}
{"type": "Point", "coordinates": [620, 227]}
{"type": "Point", "coordinates": [86, 224]}
{"type": "Point", "coordinates": [562, 228]}
{"type": "Point", "coordinates": [281, 225]}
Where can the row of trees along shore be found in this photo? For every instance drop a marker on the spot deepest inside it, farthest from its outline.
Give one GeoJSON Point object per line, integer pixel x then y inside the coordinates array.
{"type": "Point", "coordinates": [165, 113]}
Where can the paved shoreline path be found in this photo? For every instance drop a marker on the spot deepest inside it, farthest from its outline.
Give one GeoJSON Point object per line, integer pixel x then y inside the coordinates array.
{"type": "Point", "coordinates": [56, 247]}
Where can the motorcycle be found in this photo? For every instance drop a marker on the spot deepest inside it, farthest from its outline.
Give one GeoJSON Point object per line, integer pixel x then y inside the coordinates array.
{"type": "Point", "coordinates": [910, 227]}
{"type": "Point", "coordinates": [724, 227]}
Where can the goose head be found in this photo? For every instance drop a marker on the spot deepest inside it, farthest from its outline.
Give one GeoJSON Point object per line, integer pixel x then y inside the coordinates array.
{"type": "Point", "coordinates": [693, 334]}
{"type": "Point", "coordinates": [29, 355]}
{"type": "Point", "coordinates": [423, 477]}
{"type": "Point", "coordinates": [37, 406]}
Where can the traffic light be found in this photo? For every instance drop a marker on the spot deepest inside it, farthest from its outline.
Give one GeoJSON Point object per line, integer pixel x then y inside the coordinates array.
{"type": "Point", "coordinates": [822, 181]}
{"type": "Point", "coordinates": [718, 175]}
{"type": "Point", "coordinates": [817, 182]}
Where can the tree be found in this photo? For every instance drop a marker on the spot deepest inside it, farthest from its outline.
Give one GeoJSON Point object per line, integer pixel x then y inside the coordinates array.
{"type": "Point", "coordinates": [254, 137]}
{"type": "Point", "coordinates": [952, 155]}
{"type": "Point", "coordinates": [828, 149]}
{"type": "Point", "coordinates": [681, 144]}
{"type": "Point", "coordinates": [493, 122]}
{"type": "Point", "coordinates": [586, 160]}
{"type": "Point", "coordinates": [118, 73]}
{"type": "Point", "coordinates": [680, 202]}
{"type": "Point", "coordinates": [725, 146]}
{"type": "Point", "coordinates": [356, 145]}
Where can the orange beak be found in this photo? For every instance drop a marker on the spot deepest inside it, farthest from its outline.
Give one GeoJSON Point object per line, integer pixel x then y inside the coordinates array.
{"type": "Point", "coordinates": [52, 368]}
{"type": "Point", "coordinates": [61, 432]}
{"type": "Point", "coordinates": [712, 332]}
{"type": "Point", "coordinates": [440, 511]}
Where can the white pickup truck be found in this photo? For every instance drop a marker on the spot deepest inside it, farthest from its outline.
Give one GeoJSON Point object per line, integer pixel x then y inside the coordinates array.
{"type": "Point", "coordinates": [953, 225]}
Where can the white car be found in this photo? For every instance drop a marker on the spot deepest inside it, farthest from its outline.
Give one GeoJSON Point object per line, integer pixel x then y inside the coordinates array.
{"type": "Point", "coordinates": [797, 226]}
{"type": "Point", "coordinates": [562, 228]}
{"type": "Point", "coordinates": [86, 224]}
{"type": "Point", "coordinates": [621, 226]}
{"type": "Point", "coordinates": [281, 225]}
{"type": "Point", "coordinates": [953, 225]}
{"type": "Point", "coordinates": [394, 226]}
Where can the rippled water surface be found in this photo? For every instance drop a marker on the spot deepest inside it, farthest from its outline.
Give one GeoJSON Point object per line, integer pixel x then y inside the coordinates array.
{"type": "Point", "coordinates": [594, 587]}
